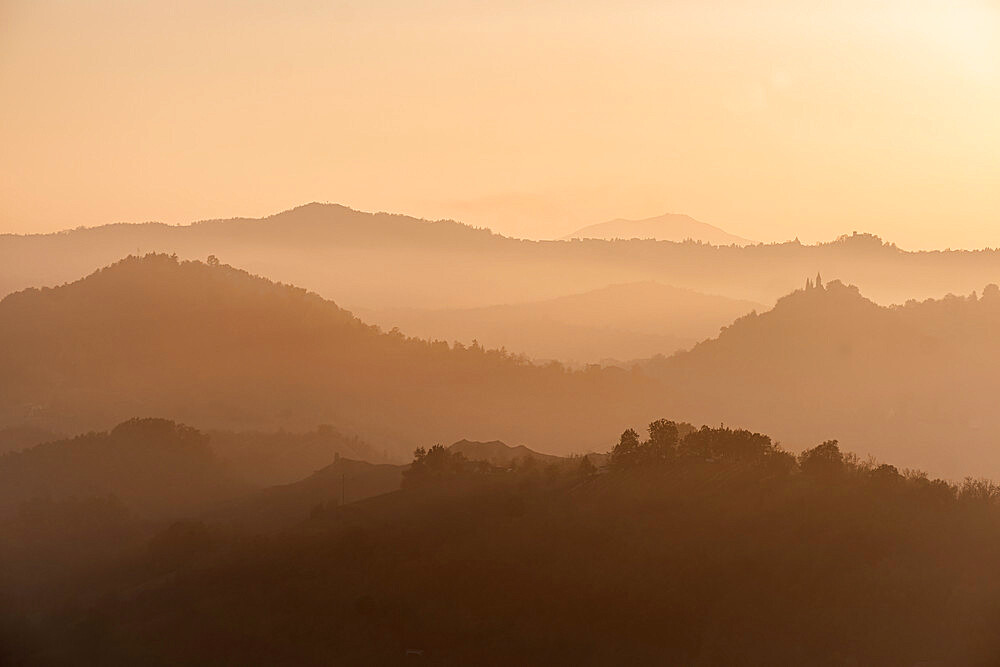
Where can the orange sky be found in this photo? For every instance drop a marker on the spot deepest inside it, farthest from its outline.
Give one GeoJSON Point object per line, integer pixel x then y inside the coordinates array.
{"type": "Point", "coordinates": [772, 119]}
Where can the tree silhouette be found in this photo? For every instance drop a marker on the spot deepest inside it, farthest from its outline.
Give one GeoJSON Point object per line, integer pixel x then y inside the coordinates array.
{"type": "Point", "coordinates": [628, 450]}
{"type": "Point", "coordinates": [823, 460]}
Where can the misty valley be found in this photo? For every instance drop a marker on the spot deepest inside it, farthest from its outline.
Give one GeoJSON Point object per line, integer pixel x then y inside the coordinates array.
{"type": "Point", "coordinates": [671, 453]}
{"type": "Point", "coordinates": [380, 332]}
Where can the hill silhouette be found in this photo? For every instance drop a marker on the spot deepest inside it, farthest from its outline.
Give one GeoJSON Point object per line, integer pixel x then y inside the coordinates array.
{"type": "Point", "coordinates": [901, 382]}
{"type": "Point", "coordinates": [391, 261]}
{"type": "Point", "coordinates": [16, 438]}
{"type": "Point", "coordinates": [154, 466]}
{"type": "Point", "coordinates": [279, 507]}
{"type": "Point", "coordinates": [346, 481]}
{"type": "Point", "coordinates": [282, 457]}
{"type": "Point", "coordinates": [708, 546]}
{"type": "Point", "coordinates": [218, 348]}
{"type": "Point", "coordinates": [667, 227]}
{"type": "Point", "coordinates": [498, 453]}
{"type": "Point", "coordinates": [622, 322]}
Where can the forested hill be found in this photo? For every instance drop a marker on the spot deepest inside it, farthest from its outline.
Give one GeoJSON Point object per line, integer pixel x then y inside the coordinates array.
{"type": "Point", "coordinates": [153, 467]}
{"type": "Point", "coordinates": [916, 383]}
{"type": "Point", "coordinates": [216, 347]}
{"type": "Point", "coordinates": [693, 547]}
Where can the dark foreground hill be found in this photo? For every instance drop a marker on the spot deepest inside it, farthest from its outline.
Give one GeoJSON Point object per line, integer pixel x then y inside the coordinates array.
{"type": "Point", "coordinates": [72, 506]}
{"type": "Point", "coordinates": [915, 383]}
{"type": "Point", "coordinates": [347, 481]}
{"type": "Point", "coordinates": [153, 466]}
{"type": "Point", "coordinates": [159, 469]}
{"type": "Point", "coordinates": [278, 507]}
{"type": "Point", "coordinates": [381, 260]}
{"type": "Point", "coordinates": [215, 347]}
{"type": "Point", "coordinates": [704, 547]}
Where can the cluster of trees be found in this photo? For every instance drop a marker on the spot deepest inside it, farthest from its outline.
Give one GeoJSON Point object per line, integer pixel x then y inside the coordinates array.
{"type": "Point", "coordinates": [217, 347]}
{"type": "Point", "coordinates": [698, 546]}
{"type": "Point", "coordinates": [671, 443]}
{"type": "Point", "coordinates": [691, 549]}
{"type": "Point", "coordinates": [900, 382]}
{"type": "Point", "coordinates": [439, 464]}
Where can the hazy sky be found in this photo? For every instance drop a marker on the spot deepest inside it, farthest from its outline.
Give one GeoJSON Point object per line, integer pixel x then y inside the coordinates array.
{"type": "Point", "coordinates": [772, 119]}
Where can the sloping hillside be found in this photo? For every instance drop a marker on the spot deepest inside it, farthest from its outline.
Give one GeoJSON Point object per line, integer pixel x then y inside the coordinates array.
{"type": "Point", "coordinates": [282, 457]}
{"type": "Point", "coordinates": [215, 347]}
{"type": "Point", "coordinates": [734, 561]}
{"type": "Point", "coordinates": [21, 437]}
{"type": "Point", "coordinates": [154, 466]}
{"type": "Point", "coordinates": [343, 481]}
{"type": "Point", "coordinates": [916, 383]}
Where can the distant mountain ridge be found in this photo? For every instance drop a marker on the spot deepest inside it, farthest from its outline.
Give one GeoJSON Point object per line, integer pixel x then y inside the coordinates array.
{"type": "Point", "coordinates": [378, 260]}
{"type": "Point", "coordinates": [675, 227]}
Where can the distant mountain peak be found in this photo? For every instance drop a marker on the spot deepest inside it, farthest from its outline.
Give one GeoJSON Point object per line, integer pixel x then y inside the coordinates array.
{"type": "Point", "coordinates": [313, 207]}
{"type": "Point", "coordinates": [677, 227]}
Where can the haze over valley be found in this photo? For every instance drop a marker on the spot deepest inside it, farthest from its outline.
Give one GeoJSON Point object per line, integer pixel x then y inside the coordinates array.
{"type": "Point", "coordinates": [218, 348]}
{"type": "Point", "coordinates": [668, 227]}
{"type": "Point", "coordinates": [616, 323]}
{"type": "Point", "coordinates": [396, 261]}
{"type": "Point", "coordinates": [506, 333]}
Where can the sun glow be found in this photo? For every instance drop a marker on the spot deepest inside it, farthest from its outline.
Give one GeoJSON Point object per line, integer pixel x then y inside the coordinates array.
{"type": "Point", "coordinates": [966, 34]}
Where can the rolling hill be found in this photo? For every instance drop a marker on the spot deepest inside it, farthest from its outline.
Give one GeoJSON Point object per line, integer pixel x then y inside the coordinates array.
{"type": "Point", "coordinates": [21, 437]}
{"type": "Point", "coordinates": [218, 348]}
{"type": "Point", "coordinates": [279, 507]}
{"type": "Point", "coordinates": [282, 457]}
{"type": "Point", "coordinates": [687, 562]}
{"type": "Point", "coordinates": [346, 481]}
{"type": "Point", "coordinates": [914, 383]}
{"type": "Point", "coordinates": [393, 261]}
{"type": "Point", "coordinates": [668, 227]}
{"type": "Point", "coordinates": [155, 467]}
